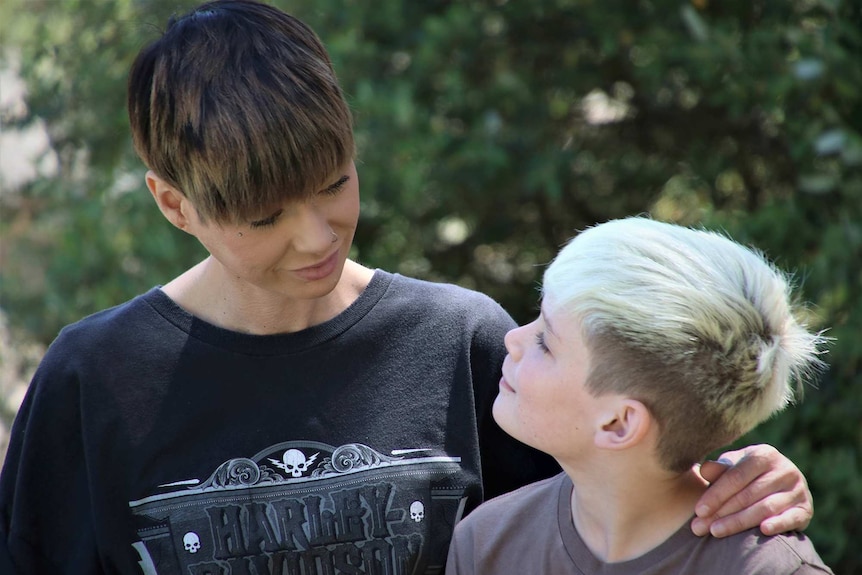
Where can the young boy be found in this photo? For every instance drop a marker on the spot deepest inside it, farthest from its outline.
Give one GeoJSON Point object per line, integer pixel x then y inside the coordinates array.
{"type": "Point", "coordinates": [278, 407]}
{"type": "Point", "coordinates": [655, 345]}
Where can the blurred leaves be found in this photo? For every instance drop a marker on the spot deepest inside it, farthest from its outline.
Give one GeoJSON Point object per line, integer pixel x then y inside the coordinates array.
{"type": "Point", "coordinates": [490, 132]}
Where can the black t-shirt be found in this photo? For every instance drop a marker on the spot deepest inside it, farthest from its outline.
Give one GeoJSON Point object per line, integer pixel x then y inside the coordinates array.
{"type": "Point", "coordinates": [153, 442]}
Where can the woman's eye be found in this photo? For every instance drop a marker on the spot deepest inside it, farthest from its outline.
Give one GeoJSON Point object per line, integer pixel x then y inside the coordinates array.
{"type": "Point", "coordinates": [266, 221]}
{"type": "Point", "coordinates": [336, 187]}
{"type": "Point", "coordinates": [540, 341]}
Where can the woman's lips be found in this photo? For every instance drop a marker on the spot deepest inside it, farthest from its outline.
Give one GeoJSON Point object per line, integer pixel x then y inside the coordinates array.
{"type": "Point", "coordinates": [319, 271]}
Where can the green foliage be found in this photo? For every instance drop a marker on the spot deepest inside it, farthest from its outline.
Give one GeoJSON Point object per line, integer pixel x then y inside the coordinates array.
{"type": "Point", "coordinates": [88, 237]}
{"type": "Point", "coordinates": [489, 133]}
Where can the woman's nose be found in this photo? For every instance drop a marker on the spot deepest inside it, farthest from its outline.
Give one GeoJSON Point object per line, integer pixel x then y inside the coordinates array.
{"type": "Point", "coordinates": [312, 232]}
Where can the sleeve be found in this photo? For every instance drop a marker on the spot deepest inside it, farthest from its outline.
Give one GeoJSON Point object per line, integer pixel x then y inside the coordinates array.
{"type": "Point", "coordinates": [45, 519]}
{"type": "Point", "coordinates": [6, 565]}
{"type": "Point", "coordinates": [809, 569]}
{"type": "Point", "coordinates": [460, 552]}
{"type": "Point", "coordinates": [506, 462]}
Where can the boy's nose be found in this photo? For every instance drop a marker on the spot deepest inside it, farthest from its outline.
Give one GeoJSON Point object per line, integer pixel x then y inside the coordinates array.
{"type": "Point", "coordinates": [514, 341]}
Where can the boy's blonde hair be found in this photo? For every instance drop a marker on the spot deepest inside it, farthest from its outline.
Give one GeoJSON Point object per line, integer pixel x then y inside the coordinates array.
{"type": "Point", "coordinates": [699, 328]}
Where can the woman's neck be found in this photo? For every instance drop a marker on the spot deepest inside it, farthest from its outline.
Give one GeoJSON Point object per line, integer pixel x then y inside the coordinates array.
{"type": "Point", "coordinates": [204, 293]}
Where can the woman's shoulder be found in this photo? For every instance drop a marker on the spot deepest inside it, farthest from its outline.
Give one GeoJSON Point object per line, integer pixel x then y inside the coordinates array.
{"type": "Point", "coordinates": [111, 325]}
{"type": "Point", "coordinates": [442, 294]}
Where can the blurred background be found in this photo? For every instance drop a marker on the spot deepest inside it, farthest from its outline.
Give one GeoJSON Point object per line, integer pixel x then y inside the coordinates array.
{"type": "Point", "coordinates": [489, 132]}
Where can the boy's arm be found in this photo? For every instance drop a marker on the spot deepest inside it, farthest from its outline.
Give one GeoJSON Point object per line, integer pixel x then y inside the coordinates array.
{"type": "Point", "coordinates": [460, 553]}
{"type": "Point", "coordinates": [751, 487]}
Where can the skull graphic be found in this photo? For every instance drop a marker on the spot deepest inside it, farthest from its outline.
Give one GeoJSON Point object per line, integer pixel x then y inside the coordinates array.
{"type": "Point", "coordinates": [417, 511]}
{"type": "Point", "coordinates": [191, 542]}
{"type": "Point", "coordinates": [294, 462]}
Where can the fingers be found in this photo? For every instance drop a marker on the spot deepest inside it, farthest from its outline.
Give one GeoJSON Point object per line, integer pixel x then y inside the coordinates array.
{"type": "Point", "coordinates": [712, 470]}
{"type": "Point", "coordinates": [733, 457]}
{"type": "Point", "coordinates": [763, 489]}
{"type": "Point", "coordinates": [738, 487]}
{"type": "Point", "coordinates": [794, 519]}
{"type": "Point", "coordinates": [775, 513]}
{"type": "Point", "coordinates": [733, 505]}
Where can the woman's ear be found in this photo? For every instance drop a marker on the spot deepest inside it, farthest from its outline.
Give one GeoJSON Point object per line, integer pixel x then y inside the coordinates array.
{"type": "Point", "coordinates": [172, 203]}
{"type": "Point", "coordinates": [625, 423]}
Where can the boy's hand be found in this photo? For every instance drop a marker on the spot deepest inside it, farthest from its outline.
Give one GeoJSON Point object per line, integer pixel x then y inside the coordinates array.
{"type": "Point", "coordinates": [753, 486]}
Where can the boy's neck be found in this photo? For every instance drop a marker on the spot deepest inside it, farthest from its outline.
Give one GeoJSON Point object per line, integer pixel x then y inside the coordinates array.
{"type": "Point", "coordinates": [623, 514]}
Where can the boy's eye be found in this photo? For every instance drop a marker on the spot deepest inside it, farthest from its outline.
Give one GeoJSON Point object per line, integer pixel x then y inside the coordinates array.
{"type": "Point", "coordinates": [540, 341]}
{"type": "Point", "coordinates": [336, 187]}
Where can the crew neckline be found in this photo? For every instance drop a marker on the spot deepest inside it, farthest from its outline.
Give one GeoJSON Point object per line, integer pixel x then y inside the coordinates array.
{"type": "Point", "coordinates": [272, 344]}
{"type": "Point", "coordinates": [587, 562]}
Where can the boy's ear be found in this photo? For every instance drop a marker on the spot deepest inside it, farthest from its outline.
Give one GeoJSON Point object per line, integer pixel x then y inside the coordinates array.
{"type": "Point", "coordinates": [172, 203]}
{"type": "Point", "coordinates": [625, 423]}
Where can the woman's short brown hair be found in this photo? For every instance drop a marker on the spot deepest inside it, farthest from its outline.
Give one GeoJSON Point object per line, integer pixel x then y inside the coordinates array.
{"type": "Point", "coordinates": [237, 105]}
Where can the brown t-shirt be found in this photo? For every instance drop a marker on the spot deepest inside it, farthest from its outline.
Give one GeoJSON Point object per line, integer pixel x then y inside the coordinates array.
{"type": "Point", "coordinates": [530, 531]}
